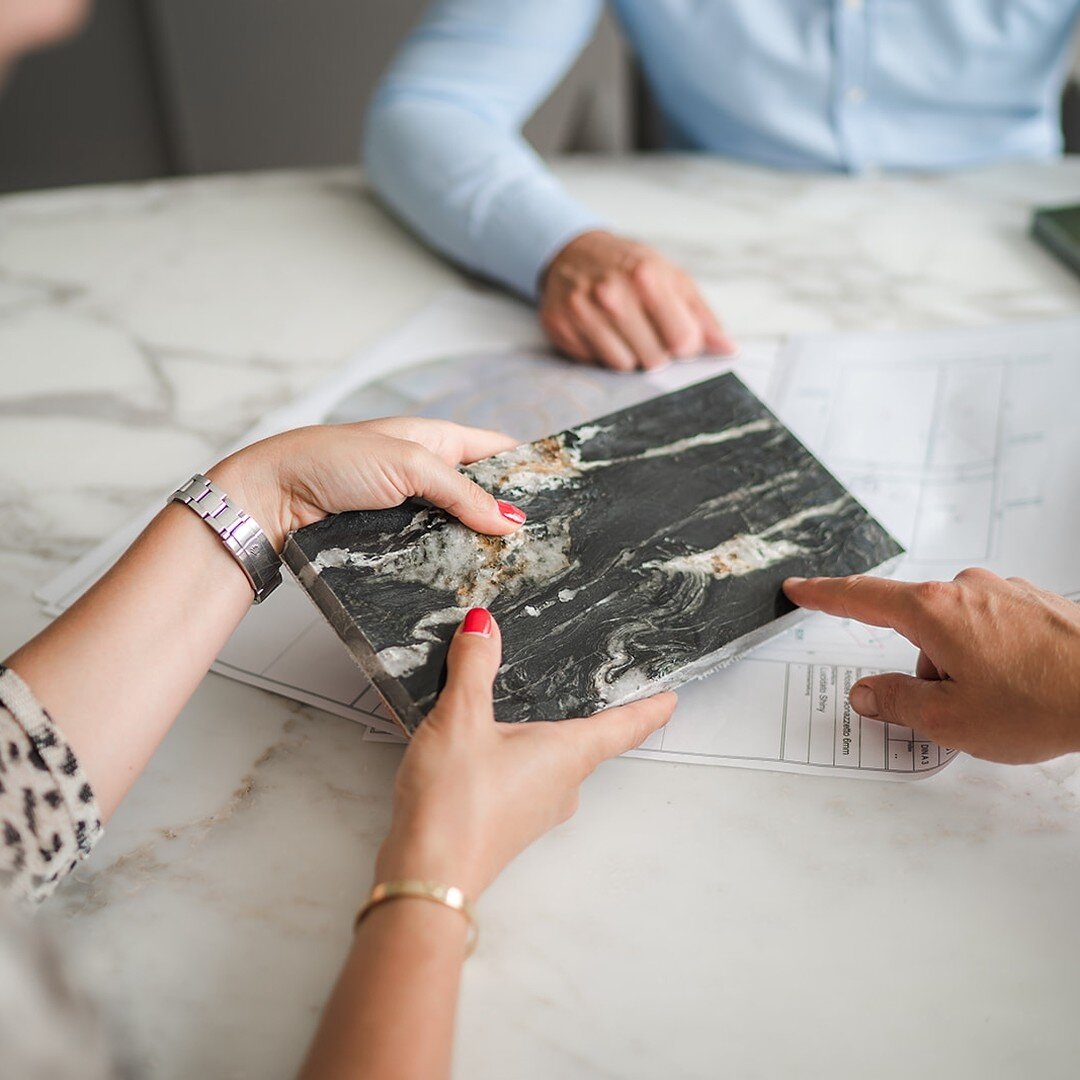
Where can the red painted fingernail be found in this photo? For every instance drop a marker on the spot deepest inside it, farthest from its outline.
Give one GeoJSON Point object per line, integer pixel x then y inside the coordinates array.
{"type": "Point", "coordinates": [478, 621]}
{"type": "Point", "coordinates": [511, 512]}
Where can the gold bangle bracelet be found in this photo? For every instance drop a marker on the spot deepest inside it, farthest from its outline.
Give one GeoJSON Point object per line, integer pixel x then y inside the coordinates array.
{"type": "Point", "coordinates": [434, 891]}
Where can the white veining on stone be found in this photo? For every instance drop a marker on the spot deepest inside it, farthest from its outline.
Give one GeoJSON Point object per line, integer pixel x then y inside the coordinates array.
{"type": "Point", "coordinates": [793, 521]}
{"type": "Point", "coordinates": [531, 468]}
{"type": "Point", "coordinates": [334, 556]}
{"type": "Point", "coordinates": [400, 660]}
{"type": "Point", "coordinates": [681, 446]}
{"type": "Point", "coordinates": [528, 470]}
{"type": "Point", "coordinates": [477, 568]}
{"type": "Point", "coordinates": [748, 552]}
{"type": "Point", "coordinates": [741, 555]}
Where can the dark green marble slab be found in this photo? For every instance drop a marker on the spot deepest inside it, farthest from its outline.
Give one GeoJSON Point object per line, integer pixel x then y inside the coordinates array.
{"type": "Point", "coordinates": [657, 541]}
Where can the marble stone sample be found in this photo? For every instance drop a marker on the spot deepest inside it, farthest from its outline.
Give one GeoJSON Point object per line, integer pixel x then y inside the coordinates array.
{"type": "Point", "coordinates": [657, 541]}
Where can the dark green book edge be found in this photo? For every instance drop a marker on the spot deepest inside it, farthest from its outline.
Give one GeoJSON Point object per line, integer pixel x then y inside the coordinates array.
{"type": "Point", "coordinates": [1058, 230]}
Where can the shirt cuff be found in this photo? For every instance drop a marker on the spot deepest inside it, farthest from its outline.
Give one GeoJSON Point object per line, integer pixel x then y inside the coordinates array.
{"type": "Point", "coordinates": [528, 229]}
{"type": "Point", "coordinates": [49, 818]}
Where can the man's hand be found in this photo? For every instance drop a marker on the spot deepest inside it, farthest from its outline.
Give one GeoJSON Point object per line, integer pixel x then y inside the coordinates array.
{"type": "Point", "coordinates": [998, 673]}
{"type": "Point", "coordinates": [618, 303]}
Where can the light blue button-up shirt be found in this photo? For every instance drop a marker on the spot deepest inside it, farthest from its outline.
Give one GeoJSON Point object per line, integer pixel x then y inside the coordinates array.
{"type": "Point", "coordinates": [826, 84]}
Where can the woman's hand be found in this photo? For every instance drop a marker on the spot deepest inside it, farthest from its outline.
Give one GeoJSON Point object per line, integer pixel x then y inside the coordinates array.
{"type": "Point", "coordinates": [159, 651]}
{"type": "Point", "coordinates": [998, 673]}
{"type": "Point", "coordinates": [301, 476]}
{"type": "Point", "coordinates": [472, 793]}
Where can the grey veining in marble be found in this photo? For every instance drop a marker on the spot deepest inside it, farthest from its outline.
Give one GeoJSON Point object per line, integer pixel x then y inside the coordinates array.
{"type": "Point", "coordinates": [253, 830]}
{"type": "Point", "coordinates": [655, 549]}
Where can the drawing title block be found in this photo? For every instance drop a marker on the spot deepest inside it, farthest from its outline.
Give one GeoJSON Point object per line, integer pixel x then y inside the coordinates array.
{"type": "Point", "coordinates": [657, 541]}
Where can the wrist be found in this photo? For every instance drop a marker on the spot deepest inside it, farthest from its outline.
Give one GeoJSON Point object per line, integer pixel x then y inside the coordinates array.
{"type": "Point", "coordinates": [585, 242]}
{"type": "Point", "coordinates": [254, 484]}
{"type": "Point", "coordinates": [422, 856]}
{"type": "Point", "coordinates": [590, 241]}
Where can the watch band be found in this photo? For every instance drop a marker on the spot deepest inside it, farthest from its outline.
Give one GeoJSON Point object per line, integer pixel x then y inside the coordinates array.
{"type": "Point", "coordinates": [238, 531]}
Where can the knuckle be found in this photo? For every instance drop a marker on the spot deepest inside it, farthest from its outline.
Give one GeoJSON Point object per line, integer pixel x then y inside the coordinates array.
{"type": "Point", "coordinates": [413, 428]}
{"type": "Point", "coordinates": [471, 499]}
{"type": "Point", "coordinates": [411, 464]}
{"type": "Point", "coordinates": [647, 272]}
{"type": "Point", "coordinates": [578, 303]}
{"type": "Point", "coordinates": [385, 429]}
{"type": "Point", "coordinates": [413, 456]}
{"type": "Point", "coordinates": [476, 497]}
{"type": "Point", "coordinates": [886, 699]}
{"type": "Point", "coordinates": [462, 698]}
{"type": "Point", "coordinates": [847, 590]}
{"type": "Point", "coordinates": [975, 575]}
{"type": "Point", "coordinates": [933, 594]}
{"type": "Point", "coordinates": [608, 294]}
{"type": "Point", "coordinates": [890, 700]}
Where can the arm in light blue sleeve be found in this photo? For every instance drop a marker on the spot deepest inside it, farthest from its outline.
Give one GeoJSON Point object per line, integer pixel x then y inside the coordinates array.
{"type": "Point", "coordinates": [443, 147]}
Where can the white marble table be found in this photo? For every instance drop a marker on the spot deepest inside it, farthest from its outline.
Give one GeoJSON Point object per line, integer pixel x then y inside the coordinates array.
{"type": "Point", "coordinates": [690, 922]}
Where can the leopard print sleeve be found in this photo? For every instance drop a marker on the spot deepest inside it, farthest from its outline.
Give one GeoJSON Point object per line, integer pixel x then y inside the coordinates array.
{"type": "Point", "coordinates": [49, 818]}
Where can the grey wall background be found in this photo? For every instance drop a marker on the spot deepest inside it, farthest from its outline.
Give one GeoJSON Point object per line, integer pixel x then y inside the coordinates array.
{"type": "Point", "coordinates": [160, 87]}
{"type": "Point", "coordinates": [165, 87]}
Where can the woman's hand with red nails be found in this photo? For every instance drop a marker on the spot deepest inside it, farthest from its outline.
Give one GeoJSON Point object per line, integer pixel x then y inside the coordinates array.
{"type": "Point", "coordinates": [615, 302]}
{"type": "Point", "coordinates": [998, 673]}
{"type": "Point", "coordinates": [473, 793]}
{"type": "Point", "coordinates": [301, 476]}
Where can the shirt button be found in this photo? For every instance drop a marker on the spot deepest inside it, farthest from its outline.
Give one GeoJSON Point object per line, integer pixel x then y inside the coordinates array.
{"type": "Point", "coordinates": [856, 95]}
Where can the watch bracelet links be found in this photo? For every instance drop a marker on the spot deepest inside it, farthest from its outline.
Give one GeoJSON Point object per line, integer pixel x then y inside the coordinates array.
{"type": "Point", "coordinates": [237, 530]}
{"type": "Point", "coordinates": [413, 889]}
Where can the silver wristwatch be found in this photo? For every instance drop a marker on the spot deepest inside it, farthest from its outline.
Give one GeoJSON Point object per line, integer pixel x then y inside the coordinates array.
{"type": "Point", "coordinates": [238, 531]}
